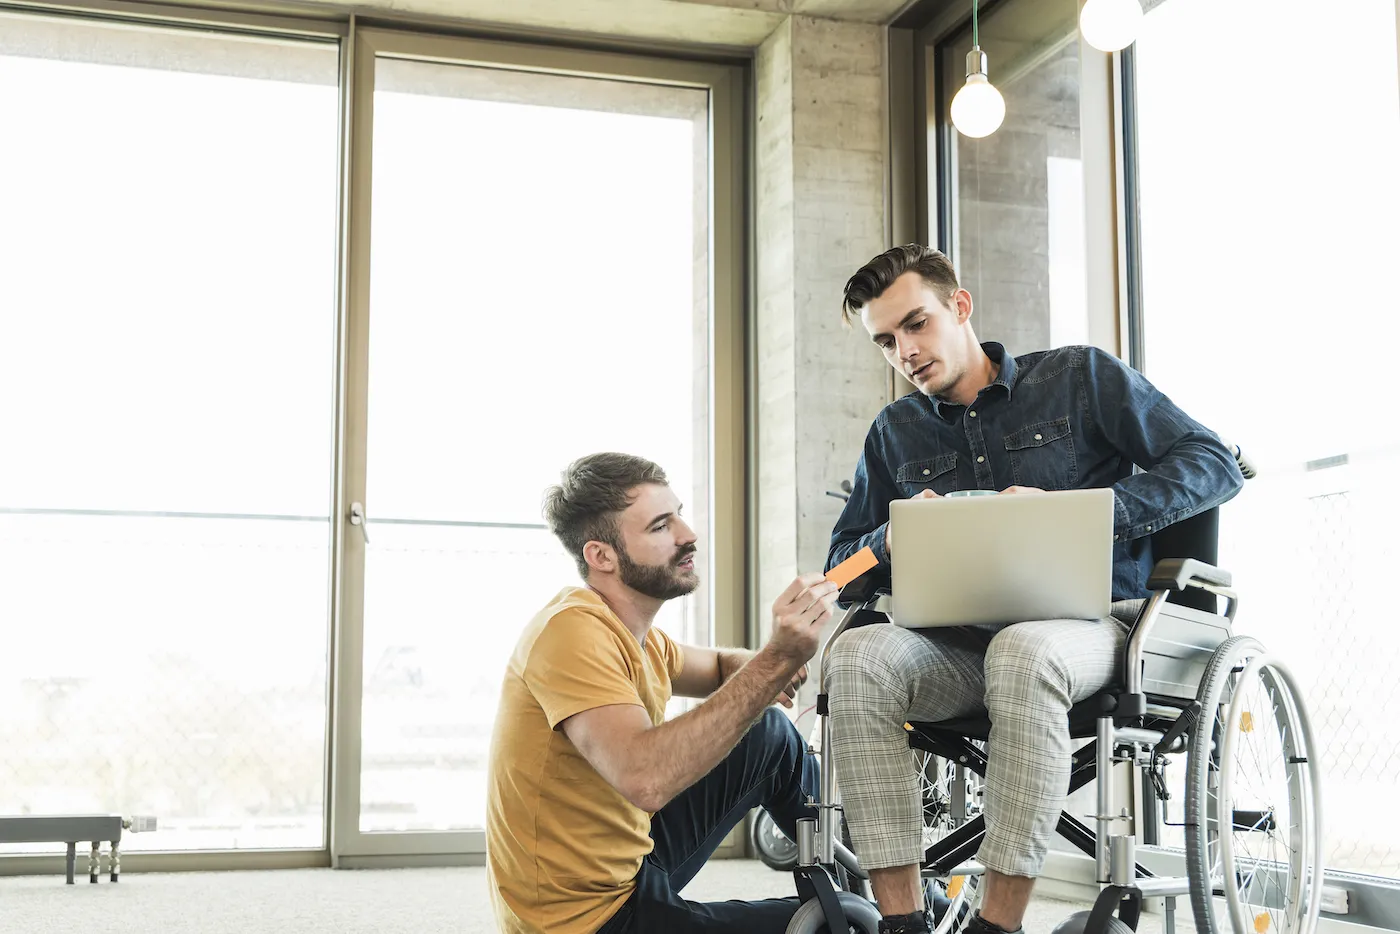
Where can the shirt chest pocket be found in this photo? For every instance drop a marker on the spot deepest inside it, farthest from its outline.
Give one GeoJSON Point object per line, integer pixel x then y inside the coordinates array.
{"type": "Point", "coordinates": [1042, 455]}
{"type": "Point", "coordinates": [935, 473]}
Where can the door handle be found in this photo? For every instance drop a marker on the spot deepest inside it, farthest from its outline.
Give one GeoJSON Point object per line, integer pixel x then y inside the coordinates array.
{"type": "Point", "coordinates": [358, 518]}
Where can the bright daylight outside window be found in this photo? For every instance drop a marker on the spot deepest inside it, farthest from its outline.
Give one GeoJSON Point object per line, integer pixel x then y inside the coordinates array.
{"type": "Point", "coordinates": [539, 292]}
{"type": "Point", "coordinates": [167, 268]}
{"type": "Point", "coordinates": [1269, 204]}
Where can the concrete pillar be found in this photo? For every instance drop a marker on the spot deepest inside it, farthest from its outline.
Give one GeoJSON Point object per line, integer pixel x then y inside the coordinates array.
{"type": "Point", "coordinates": [820, 183]}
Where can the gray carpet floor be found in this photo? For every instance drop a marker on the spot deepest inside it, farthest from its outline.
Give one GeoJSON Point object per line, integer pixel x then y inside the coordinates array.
{"type": "Point", "coordinates": [322, 901]}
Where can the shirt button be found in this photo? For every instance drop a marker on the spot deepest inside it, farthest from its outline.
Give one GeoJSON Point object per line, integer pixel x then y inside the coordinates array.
{"type": "Point", "coordinates": [1037, 437]}
{"type": "Point", "coordinates": [980, 459]}
{"type": "Point", "coordinates": [925, 471]}
{"type": "Point", "coordinates": [1115, 538]}
{"type": "Point", "coordinates": [971, 414]}
{"type": "Point", "coordinates": [1149, 528]}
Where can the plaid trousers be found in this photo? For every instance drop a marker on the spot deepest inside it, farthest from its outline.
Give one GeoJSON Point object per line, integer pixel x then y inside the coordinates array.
{"type": "Point", "coordinates": [1026, 675]}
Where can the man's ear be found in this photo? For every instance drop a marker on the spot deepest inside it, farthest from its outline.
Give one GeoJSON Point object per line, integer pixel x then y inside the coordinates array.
{"type": "Point", "coordinates": [962, 305]}
{"type": "Point", "coordinates": [600, 557]}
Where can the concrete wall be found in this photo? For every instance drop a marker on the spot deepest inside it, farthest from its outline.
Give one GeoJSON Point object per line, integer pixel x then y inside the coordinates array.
{"type": "Point", "coordinates": [821, 212]}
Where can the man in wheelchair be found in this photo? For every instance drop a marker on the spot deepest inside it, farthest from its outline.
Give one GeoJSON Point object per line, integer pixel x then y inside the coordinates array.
{"type": "Point", "coordinates": [599, 811]}
{"type": "Point", "coordinates": [1068, 418]}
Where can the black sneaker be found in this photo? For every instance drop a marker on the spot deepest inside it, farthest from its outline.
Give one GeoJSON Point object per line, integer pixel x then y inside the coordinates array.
{"type": "Point", "coordinates": [980, 925]}
{"type": "Point", "coordinates": [916, 923]}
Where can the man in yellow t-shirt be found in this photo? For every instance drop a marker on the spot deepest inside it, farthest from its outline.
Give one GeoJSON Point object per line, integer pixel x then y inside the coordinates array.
{"type": "Point", "coordinates": [599, 811]}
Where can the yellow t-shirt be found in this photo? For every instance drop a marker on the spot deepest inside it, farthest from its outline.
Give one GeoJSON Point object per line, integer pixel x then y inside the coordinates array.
{"type": "Point", "coordinates": [562, 845]}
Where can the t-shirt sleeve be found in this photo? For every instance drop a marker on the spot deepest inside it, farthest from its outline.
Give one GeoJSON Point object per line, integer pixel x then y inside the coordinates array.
{"type": "Point", "coordinates": [672, 653]}
{"type": "Point", "coordinates": [578, 663]}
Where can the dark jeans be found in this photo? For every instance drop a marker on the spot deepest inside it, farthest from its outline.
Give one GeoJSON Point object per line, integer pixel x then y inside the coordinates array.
{"type": "Point", "coordinates": [771, 768]}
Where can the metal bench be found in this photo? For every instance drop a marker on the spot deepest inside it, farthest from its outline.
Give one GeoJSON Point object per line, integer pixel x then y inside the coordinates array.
{"type": "Point", "coordinates": [71, 828]}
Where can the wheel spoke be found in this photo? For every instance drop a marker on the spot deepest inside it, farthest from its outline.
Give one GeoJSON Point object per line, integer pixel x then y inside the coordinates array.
{"type": "Point", "coordinates": [1251, 801]}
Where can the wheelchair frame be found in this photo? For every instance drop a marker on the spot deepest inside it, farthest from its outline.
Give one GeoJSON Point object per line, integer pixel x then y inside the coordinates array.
{"type": "Point", "coordinates": [1165, 721]}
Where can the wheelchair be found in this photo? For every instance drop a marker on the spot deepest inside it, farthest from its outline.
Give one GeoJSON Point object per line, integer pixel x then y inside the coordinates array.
{"type": "Point", "coordinates": [1188, 684]}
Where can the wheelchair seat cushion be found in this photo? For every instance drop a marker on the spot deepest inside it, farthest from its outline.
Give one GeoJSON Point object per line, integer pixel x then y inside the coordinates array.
{"type": "Point", "coordinates": [1083, 720]}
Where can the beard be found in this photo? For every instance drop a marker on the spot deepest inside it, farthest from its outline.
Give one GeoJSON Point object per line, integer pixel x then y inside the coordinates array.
{"type": "Point", "coordinates": [945, 384]}
{"type": "Point", "coordinates": [658, 581]}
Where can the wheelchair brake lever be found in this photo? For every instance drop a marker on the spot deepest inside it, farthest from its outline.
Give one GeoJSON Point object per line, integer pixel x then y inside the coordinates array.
{"type": "Point", "coordinates": [1179, 728]}
{"type": "Point", "coordinates": [1159, 779]}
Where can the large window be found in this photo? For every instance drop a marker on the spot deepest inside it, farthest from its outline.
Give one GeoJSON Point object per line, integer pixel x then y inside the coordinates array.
{"type": "Point", "coordinates": [247, 292]}
{"type": "Point", "coordinates": [167, 324]}
{"type": "Point", "coordinates": [1269, 198]}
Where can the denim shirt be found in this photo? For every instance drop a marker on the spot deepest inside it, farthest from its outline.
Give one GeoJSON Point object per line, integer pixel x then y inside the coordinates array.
{"type": "Point", "coordinates": [1063, 419]}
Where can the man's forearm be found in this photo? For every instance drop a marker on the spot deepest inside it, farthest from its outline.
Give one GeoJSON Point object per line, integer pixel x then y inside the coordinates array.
{"type": "Point", "coordinates": [855, 541]}
{"type": "Point", "coordinates": [1198, 474]}
{"type": "Point", "coordinates": [730, 661]}
{"type": "Point", "coordinates": [680, 752]}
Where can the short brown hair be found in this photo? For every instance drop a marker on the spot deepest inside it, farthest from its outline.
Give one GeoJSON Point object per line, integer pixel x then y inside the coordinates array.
{"type": "Point", "coordinates": [592, 493]}
{"type": "Point", "coordinates": [871, 281]}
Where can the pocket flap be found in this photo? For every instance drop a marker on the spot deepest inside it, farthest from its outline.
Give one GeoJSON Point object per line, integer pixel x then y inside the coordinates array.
{"type": "Point", "coordinates": [925, 470]}
{"type": "Point", "coordinates": [1033, 436]}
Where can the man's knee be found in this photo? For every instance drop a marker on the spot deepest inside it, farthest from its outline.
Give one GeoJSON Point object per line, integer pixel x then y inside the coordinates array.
{"type": "Point", "coordinates": [1023, 657]}
{"type": "Point", "coordinates": [775, 725]}
{"type": "Point", "coordinates": [775, 731]}
{"type": "Point", "coordinates": [872, 659]}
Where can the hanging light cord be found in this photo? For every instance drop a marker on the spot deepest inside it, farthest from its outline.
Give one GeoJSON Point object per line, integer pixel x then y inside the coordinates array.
{"type": "Point", "coordinates": [974, 24]}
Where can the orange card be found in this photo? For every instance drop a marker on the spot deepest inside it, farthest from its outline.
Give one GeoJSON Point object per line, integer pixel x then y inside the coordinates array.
{"type": "Point", "coordinates": [853, 567]}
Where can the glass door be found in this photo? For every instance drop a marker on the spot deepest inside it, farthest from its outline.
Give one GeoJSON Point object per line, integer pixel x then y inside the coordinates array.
{"type": "Point", "coordinates": [539, 288]}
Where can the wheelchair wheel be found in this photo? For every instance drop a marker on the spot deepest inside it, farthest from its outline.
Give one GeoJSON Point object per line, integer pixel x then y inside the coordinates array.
{"type": "Point", "coordinates": [1253, 815]}
{"type": "Point", "coordinates": [863, 916]}
{"type": "Point", "coordinates": [771, 844]}
{"type": "Point", "coordinates": [953, 900]}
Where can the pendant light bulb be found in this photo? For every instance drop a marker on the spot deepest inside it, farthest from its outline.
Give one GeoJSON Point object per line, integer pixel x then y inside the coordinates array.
{"type": "Point", "coordinates": [1110, 25]}
{"type": "Point", "coordinates": [978, 107]}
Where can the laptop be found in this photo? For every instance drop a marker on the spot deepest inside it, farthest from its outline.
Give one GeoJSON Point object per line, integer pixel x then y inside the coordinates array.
{"type": "Point", "coordinates": [970, 560]}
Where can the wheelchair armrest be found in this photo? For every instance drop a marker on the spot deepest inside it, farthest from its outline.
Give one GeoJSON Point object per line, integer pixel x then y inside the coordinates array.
{"type": "Point", "coordinates": [861, 590]}
{"type": "Point", "coordinates": [1178, 573]}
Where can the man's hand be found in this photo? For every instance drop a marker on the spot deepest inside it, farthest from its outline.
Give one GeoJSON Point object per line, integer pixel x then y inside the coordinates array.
{"type": "Point", "coordinates": [1023, 489]}
{"type": "Point", "coordinates": [789, 694]}
{"type": "Point", "coordinates": [799, 614]}
{"type": "Point", "coordinates": [922, 494]}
